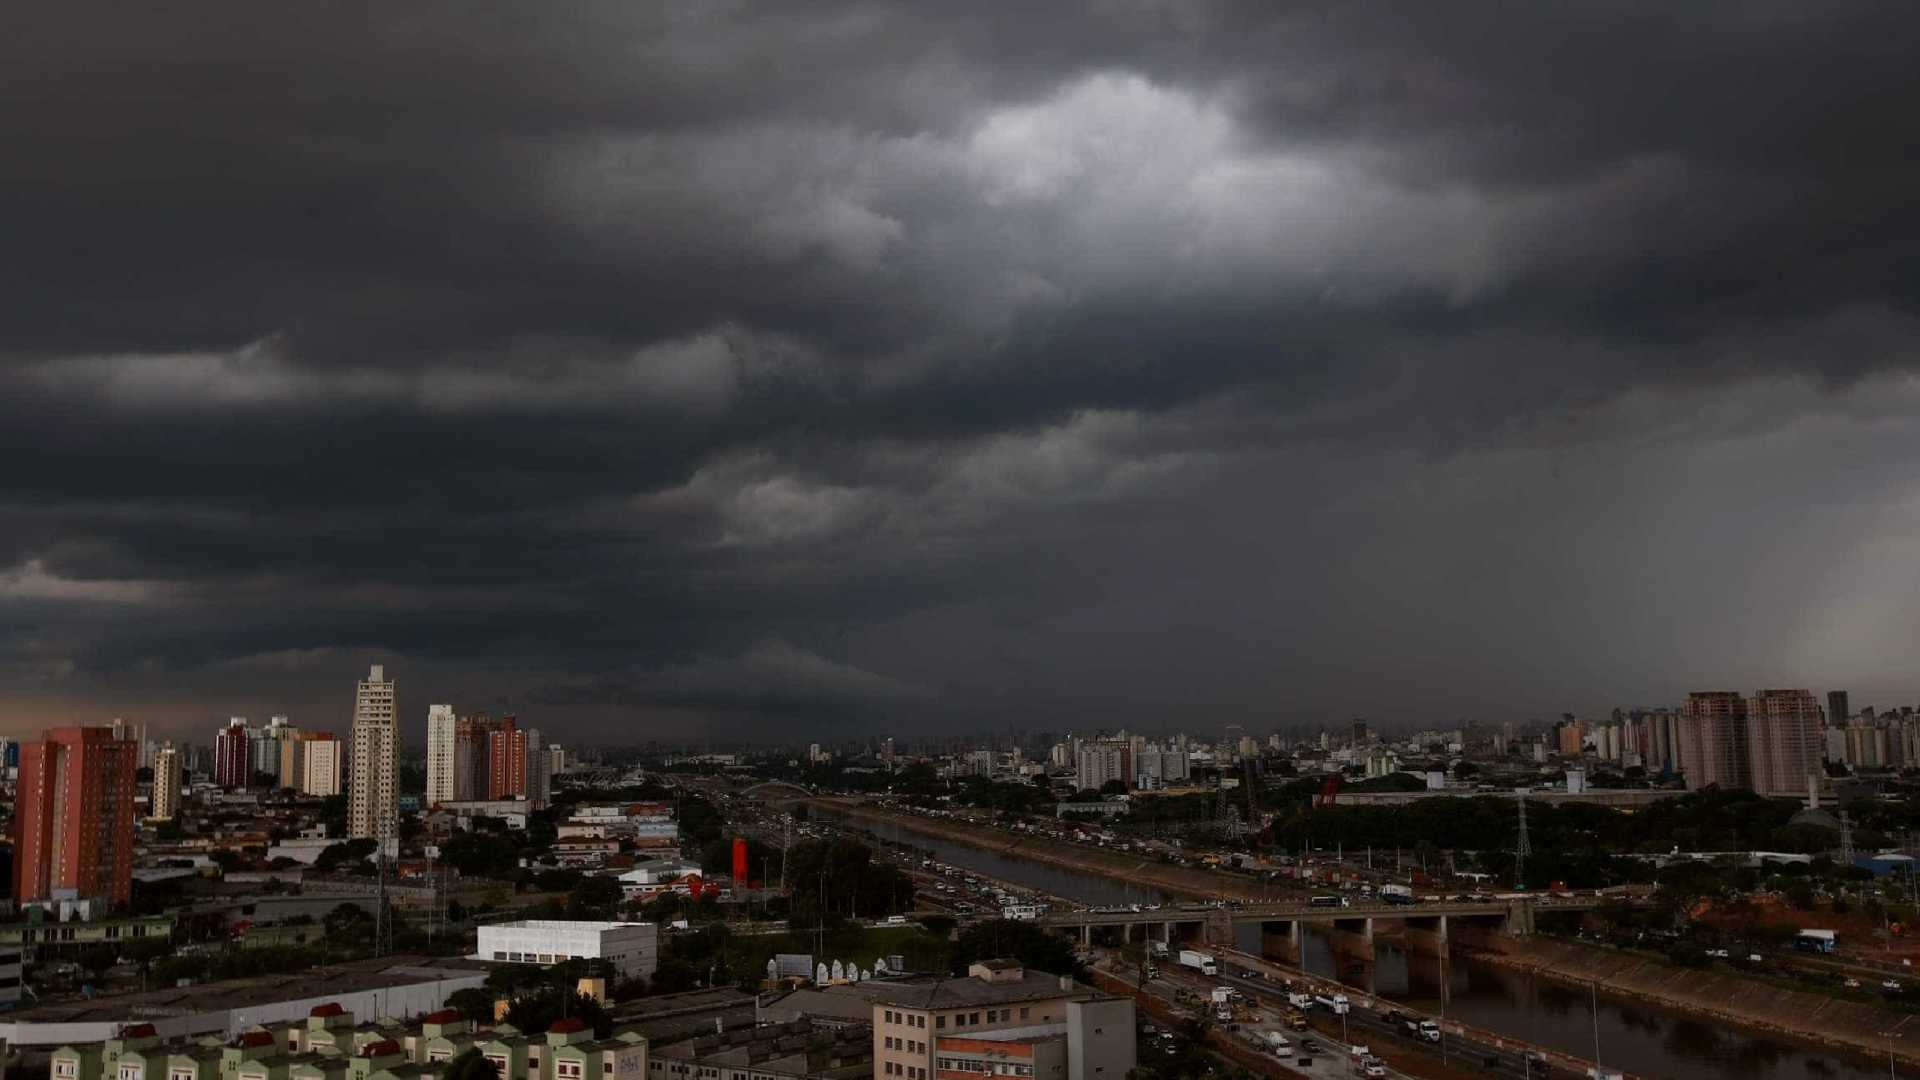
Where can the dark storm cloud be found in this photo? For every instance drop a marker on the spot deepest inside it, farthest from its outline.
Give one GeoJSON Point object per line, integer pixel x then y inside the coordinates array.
{"type": "Point", "coordinates": [844, 359]}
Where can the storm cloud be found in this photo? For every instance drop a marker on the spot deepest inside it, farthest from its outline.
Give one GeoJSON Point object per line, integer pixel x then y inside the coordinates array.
{"type": "Point", "coordinates": [721, 368]}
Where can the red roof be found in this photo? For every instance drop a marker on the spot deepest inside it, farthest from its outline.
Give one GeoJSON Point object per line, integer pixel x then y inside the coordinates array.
{"type": "Point", "coordinates": [256, 1038]}
{"type": "Point", "coordinates": [331, 1008]}
{"type": "Point", "coordinates": [137, 1031]}
{"type": "Point", "coordinates": [444, 1016]}
{"type": "Point", "coordinates": [566, 1026]}
{"type": "Point", "coordinates": [380, 1049]}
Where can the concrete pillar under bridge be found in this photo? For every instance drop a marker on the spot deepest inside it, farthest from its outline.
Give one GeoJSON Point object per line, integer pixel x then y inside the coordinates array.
{"type": "Point", "coordinates": [1425, 935]}
{"type": "Point", "coordinates": [1351, 941]}
{"type": "Point", "coordinates": [1218, 928]}
{"type": "Point", "coordinates": [1281, 941]}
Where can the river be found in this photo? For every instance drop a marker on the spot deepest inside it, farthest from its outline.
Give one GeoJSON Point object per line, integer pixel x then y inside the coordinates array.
{"type": "Point", "coordinates": [1635, 1037]}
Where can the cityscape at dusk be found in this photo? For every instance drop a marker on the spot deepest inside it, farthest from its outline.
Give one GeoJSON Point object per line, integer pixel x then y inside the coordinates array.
{"type": "Point", "coordinates": [1130, 540]}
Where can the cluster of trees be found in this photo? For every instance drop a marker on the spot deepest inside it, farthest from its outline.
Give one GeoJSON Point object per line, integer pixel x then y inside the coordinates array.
{"type": "Point", "coordinates": [835, 880]}
{"type": "Point", "coordinates": [1023, 941]}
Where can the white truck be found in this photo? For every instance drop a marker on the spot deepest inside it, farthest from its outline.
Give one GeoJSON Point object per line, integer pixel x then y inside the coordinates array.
{"type": "Point", "coordinates": [1300, 1000]}
{"type": "Point", "coordinates": [1160, 949]}
{"type": "Point", "coordinates": [1224, 994]}
{"type": "Point", "coordinates": [1396, 894]}
{"type": "Point", "coordinates": [1278, 1044]}
{"type": "Point", "coordinates": [1336, 1002]}
{"type": "Point", "coordinates": [1199, 961]}
{"type": "Point", "coordinates": [1426, 1030]}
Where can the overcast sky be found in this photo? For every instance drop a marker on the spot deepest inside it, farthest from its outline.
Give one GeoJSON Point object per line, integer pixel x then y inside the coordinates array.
{"type": "Point", "coordinates": [666, 369]}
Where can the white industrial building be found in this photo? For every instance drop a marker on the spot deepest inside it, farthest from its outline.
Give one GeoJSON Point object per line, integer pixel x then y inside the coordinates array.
{"type": "Point", "coordinates": [629, 948]}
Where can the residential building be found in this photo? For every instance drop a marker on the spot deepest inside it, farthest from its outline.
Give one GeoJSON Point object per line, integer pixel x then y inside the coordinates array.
{"type": "Point", "coordinates": [320, 765]}
{"type": "Point", "coordinates": [1712, 740]}
{"type": "Point", "coordinates": [628, 948]}
{"type": "Point", "coordinates": [1838, 711]}
{"type": "Point", "coordinates": [73, 816]}
{"type": "Point", "coordinates": [373, 792]}
{"type": "Point", "coordinates": [443, 745]}
{"type": "Point", "coordinates": [1783, 741]}
{"type": "Point", "coordinates": [165, 802]}
{"type": "Point", "coordinates": [232, 755]}
{"type": "Point", "coordinates": [1100, 761]}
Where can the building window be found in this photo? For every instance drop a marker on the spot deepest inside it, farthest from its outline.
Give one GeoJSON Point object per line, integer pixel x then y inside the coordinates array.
{"type": "Point", "coordinates": [1024, 1012]}
{"type": "Point", "coordinates": [129, 1072]}
{"type": "Point", "coordinates": [940, 1021]}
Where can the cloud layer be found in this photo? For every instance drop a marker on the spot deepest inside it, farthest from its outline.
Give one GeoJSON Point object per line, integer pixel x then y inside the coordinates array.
{"type": "Point", "coordinates": [873, 367]}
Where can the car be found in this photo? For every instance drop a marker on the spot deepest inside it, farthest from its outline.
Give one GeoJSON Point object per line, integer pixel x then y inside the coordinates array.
{"type": "Point", "coordinates": [1891, 986]}
{"type": "Point", "coordinates": [1754, 958]}
{"type": "Point", "coordinates": [1850, 983]}
{"type": "Point", "coordinates": [1374, 1067]}
{"type": "Point", "coordinates": [1718, 954]}
{"type": "Point", "coordinates": [1311, 1046]}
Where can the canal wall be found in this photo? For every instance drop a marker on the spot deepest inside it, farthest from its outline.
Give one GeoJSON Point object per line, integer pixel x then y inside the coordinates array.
{"type": "Point", "coordinates": [1177, 881]}
{"type": "Point", "coordinates": [1797, 1014]}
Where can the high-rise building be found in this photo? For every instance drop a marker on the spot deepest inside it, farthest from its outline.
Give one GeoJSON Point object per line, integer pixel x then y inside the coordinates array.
{"type": "Point", "coordinates": [233, 755]}
{"type": "Point", "coordinates": [442, 749]}
{"type": "Point", "coordinates": [73, 816]}
{"type": "Point", "coordinates": [1099, 761]}
{"type": "Point", "coordinates": [1712, 740]}
{"type": "Point", "coordinates": [1783, 741]}
{"type": "Point", "coordinates": [373, 791]}
{"type": "Point", "coordinates": [1837, 709]}
{"type": "Point", "coordinates": [1359, 733]}
{"type": "Point", "coordinates": [165, 803]}
{"type": "Point", "coordinates": [320, 765]}
{"type": "Point", "coordinates": [506, 760]}
{"type": "Point", "coordinates": [539, 768]}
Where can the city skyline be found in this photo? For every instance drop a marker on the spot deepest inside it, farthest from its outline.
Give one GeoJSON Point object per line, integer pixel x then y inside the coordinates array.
{"type": "Point", "coordinates": [835, 367]}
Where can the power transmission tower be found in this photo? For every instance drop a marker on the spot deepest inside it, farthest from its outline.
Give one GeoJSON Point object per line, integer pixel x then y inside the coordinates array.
{"type": "Point", "coordinates": [1522, 847]}
{"type": "Point", "coordinates": [1846, 840]}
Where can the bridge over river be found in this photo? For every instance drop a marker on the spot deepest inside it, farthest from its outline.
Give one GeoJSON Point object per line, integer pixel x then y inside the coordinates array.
{"type": "Point", "coordinates": [1424, 927]}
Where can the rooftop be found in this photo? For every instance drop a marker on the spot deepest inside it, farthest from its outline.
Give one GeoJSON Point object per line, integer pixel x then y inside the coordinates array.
{"type": "Point", "coordinates": [378, 973]}
{"type": "Point", "coordinates": [947, 992]}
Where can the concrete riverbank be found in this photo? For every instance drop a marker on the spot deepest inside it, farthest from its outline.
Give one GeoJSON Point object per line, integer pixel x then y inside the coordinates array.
{"type": "Point", "coordinates": [1805, 1017]}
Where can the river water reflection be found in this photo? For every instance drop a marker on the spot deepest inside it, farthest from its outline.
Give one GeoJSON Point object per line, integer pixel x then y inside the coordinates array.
{"type": "Point", "coordinates": [1639, 1039]}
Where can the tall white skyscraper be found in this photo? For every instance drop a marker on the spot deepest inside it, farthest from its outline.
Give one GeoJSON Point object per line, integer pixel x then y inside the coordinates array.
{"type": "Point", "coordinates": [166, 783]}
{"type": "Point", "coordinates": [443, 748]}
{"type": "Point", "coordinates": [373, 801]}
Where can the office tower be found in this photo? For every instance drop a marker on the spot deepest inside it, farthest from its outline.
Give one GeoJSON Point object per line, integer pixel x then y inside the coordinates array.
{"type": "Point", "coordinates": [73, 816]}
{"type": "Point", "coordinates": [373, 790]}
{"type": "Point", "coordinates": [442, 741]}
{"type": "Point", "coordinates": [165, 804]}
{"type": "Point", "coordinates": [1783, 741]}
{"type": "Point", "coordinates": [1837, 710]}
{"type": "Point", "coordinates": [232, 755]}
{"type": "Point", "coordinates": [320, 765]}
{"type": "Point", "coordinates": [1359, 733]}
{"type": "Point", "coordinates": [1712, 742]}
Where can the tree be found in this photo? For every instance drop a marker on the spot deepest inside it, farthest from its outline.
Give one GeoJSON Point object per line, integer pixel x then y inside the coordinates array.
{"type": "Point", "coordinates": [471, 1064]}
{"type": "Point", "coordinates": [1033, 947]}
{"type": "Point", "coordinates": [597, 895]}
{"type": "Point", "coordinates": [473, 1003]}
{"type": "Point", "coordinates": [537, 1011]}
